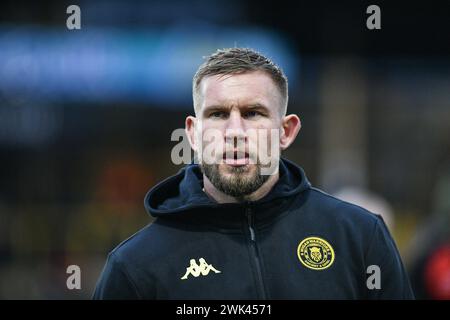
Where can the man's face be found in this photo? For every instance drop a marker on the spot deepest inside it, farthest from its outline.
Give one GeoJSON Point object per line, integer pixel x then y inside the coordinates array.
{"type": "Point", "coordinates": [237, 115]}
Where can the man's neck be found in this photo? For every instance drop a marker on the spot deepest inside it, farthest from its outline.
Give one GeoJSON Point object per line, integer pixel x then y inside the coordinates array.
{"type": "Point", "coordinates": [221, 197]}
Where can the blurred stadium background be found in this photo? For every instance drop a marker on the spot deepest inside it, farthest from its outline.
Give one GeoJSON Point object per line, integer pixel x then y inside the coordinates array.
{"type": "Point", "coordinates": [86, 117]}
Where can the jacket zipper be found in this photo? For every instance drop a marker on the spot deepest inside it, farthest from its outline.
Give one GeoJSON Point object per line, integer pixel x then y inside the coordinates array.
{"type": "Point", "coordinates": [254, 249]}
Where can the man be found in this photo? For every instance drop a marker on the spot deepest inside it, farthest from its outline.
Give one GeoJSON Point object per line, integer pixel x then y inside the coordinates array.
{"type": "Point", "coordinates": [237, 227]}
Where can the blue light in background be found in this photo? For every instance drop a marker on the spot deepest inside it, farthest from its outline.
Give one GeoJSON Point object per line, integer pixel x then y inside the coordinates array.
{"type": "Point", "coordinates": [122, 65]}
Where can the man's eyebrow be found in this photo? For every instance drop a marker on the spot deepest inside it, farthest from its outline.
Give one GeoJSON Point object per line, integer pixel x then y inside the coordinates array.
{"type": "Point", "coordinates": [214, 108]}
{"type": "Point", "coordinates": [251, 106]}
{"type": "Point", "coordinates": [256, 106]}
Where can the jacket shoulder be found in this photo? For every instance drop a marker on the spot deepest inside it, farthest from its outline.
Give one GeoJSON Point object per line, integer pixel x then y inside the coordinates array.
{"type": "Point", "coordinates": [141, 246]}
{"type": "Point", "coordinates": [341, 211]}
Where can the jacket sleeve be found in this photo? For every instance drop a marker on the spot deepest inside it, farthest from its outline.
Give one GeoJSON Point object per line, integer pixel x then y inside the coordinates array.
{"type": "Point", "coordinates": [383, 258]}
{"type": "Point", "coordinates": [114, 282]}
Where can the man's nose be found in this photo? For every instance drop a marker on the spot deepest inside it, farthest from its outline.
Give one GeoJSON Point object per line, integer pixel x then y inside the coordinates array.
{"type": "Point", "coordinates": [235, 130]}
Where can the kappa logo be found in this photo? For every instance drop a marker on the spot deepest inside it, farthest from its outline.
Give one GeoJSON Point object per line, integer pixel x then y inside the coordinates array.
{"type": "Point", "coordinates": [315, 253]}
{"type": "Point", "coordinates": [196, 270]}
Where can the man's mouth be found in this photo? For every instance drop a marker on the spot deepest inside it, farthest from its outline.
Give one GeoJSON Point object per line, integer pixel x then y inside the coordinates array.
{"type": "Point", "coordinates": [236, 158]}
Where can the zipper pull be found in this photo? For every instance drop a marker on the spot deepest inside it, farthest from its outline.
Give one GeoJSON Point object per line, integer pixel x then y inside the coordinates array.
{"type": "Point", "coordinates": [250, 227]}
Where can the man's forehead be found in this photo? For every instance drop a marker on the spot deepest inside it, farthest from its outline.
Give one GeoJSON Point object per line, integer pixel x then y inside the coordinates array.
{"type": "Point", "coordinates": [238, 89]}
{"type": "Point", "coordinates": [249, 79]}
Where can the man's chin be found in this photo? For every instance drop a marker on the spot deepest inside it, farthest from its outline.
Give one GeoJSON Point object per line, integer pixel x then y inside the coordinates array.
{"type": "Point", "coordinates": [236, 181]}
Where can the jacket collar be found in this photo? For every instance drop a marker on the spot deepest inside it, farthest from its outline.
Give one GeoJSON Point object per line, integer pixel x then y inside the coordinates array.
{"type": "Point", "coordinates": [180, 199]}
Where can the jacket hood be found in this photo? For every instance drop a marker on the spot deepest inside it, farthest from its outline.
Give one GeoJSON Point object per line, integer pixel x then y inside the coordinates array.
{"type": "Point", "coordinates": [183, 192]}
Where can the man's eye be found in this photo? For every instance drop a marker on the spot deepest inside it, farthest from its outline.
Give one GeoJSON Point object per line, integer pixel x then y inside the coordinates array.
{"type": "Point", "coordinates": [252, 114]}
{"type": "Point", "coordinates": [218, 114]}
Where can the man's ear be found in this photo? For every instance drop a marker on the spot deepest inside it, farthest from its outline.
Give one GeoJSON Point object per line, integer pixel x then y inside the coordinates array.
{"type": "Point", "coordinates": [290, 127]}
{"type": "Point", "coordinates": [190, 125]}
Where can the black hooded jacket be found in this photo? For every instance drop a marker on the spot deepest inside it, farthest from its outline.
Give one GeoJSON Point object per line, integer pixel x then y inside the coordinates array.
{"type": "Point", "coordinates": [295, 243]}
